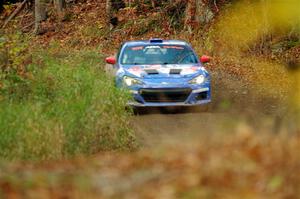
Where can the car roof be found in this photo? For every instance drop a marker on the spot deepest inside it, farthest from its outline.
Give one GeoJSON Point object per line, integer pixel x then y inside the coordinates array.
{"type": "Point", "coordinates": [156, 42]}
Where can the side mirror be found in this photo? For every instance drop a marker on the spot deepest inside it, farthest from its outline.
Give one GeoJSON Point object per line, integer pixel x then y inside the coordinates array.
{"type": "Point", "coordinates": [110, 60]}
{"type": "Point", "coordinates": [205, 59]}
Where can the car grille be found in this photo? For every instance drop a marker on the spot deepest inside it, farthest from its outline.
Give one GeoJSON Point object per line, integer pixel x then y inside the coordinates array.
{"type": "Point", "coordinates": [165, 95]}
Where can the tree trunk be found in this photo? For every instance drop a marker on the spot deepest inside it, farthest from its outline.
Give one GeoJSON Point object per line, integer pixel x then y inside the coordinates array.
{"type": "Point", "coordinates": [153, 3]}
{"type": "Point", "coordinates": [108, 9]}
{"type": "Point", "coordinates": [40, 14]}
{"type": "Point", "coordinates": [199, 11]}
{"type": "Point", "coordinates": [189, 12]}
{"type": "Point", "coordinates": [197, 14]}
{"type": "Point", "coordinates": [1, 6]}
{"type": "Point", "coordinates": [59, 5]}
{"type": "Point", "coordinates": [203, 13]}
{"type": "Point", "coordinates": [109, 13]}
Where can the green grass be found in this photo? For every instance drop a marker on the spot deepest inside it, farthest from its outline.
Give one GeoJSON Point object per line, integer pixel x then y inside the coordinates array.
{"type": "Point", "coordinates": [68, 106]}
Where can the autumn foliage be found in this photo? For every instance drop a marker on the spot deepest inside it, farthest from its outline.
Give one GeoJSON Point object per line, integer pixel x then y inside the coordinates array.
{"type": "Point", "coordinates": [58, 107]}
{"type": "Point", "coordinates": [241, 166]}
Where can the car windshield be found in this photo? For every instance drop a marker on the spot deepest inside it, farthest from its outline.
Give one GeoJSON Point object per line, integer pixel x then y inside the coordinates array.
{"type": "Point", "coordinates": [158, 54]}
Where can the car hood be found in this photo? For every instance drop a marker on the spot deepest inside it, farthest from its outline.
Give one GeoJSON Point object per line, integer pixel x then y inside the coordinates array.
{"type": "Point", "coordinates": [172, 71]}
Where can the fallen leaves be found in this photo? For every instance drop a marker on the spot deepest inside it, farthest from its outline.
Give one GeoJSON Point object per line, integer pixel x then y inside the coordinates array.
{"type": "Point", "coordinates": [240, 167]}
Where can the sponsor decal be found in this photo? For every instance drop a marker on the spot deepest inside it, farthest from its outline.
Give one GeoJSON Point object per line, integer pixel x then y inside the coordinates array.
{"type": "Point", "coordinates": [147, 47]}
{"type": "Point", "coordinates": [137, 48]}
{"type": "Point", "coordinates": [174, 47]}
{"type": "Point", "coordinates": [195, 68]}
{"type": "Point", "coordinates": [190, 70]}
{"type": "Point", "coordinates": [135, 70]}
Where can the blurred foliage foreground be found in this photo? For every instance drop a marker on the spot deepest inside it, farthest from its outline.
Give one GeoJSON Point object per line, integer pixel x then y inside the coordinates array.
{"type": "Point", "coordinates": [252, 34]}
{"type": "Point", "coordinates": [243, 166]}
{"type": "Point", "coordinates": [55, 104]}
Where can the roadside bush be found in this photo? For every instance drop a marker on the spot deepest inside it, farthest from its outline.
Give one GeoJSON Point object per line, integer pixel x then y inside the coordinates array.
{"type": "Point", "coordinates": [66, 106]}
{"type": "Point", "coordinates": [13, 58]}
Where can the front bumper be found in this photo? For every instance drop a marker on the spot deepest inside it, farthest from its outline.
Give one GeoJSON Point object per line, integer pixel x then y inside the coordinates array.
{"type": "Point", "coordinates": [196, 95]}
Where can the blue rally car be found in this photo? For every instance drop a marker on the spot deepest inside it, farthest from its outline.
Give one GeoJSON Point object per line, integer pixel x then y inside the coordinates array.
{"type": "Point", "coordinates": [162, 73]}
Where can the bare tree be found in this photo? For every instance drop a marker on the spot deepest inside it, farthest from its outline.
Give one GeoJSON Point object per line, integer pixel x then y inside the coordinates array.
{"type": "Point", "coordinates": [40, 14]}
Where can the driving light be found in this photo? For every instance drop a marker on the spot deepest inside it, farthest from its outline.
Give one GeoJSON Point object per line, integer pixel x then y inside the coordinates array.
{"type": "Point", "coordinates": [198, 80]}
{"type": "Point", "coordinates": [129, 81]}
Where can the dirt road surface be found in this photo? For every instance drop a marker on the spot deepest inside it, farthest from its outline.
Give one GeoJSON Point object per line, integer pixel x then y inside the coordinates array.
{"type": "Point", "coordinates": [234, 105]}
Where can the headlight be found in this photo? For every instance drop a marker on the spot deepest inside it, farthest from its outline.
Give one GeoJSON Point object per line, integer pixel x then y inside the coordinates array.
{"type": "Point", "coordinates": [198, 80]}
{"type": "Point", "coordinates": [129, 81]}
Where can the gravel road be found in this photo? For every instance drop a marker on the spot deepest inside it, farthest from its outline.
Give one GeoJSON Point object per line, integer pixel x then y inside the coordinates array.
{"type": "Point", "coordinates": [234, 103]}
